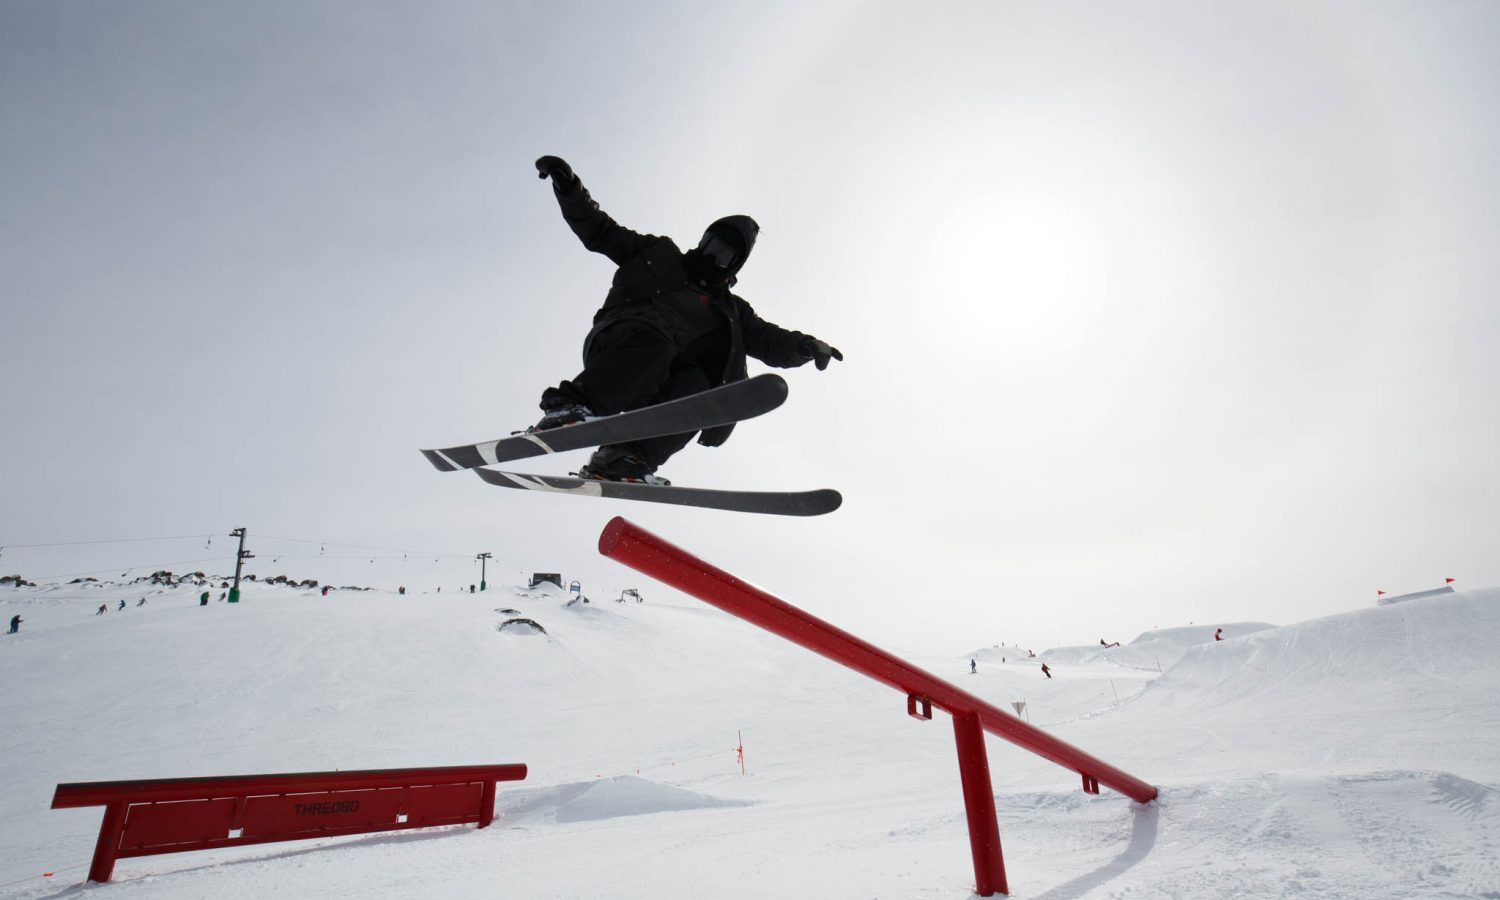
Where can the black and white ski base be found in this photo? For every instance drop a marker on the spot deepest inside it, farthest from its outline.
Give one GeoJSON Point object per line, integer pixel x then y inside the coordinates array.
{"type": "Point", "coordinates": [717, 406]}
{"type": "Point", "coordinates": [798, 503]}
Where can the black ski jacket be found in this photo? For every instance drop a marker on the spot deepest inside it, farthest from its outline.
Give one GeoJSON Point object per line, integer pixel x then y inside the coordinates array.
{"type": "Point", "coordinates": [652, 286]}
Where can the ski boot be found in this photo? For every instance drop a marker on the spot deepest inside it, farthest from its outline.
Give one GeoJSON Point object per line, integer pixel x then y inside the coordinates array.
{"type": "Point", "coordinates": [611, 464]}
{"type": "Point", "coordinates": [564, 413]}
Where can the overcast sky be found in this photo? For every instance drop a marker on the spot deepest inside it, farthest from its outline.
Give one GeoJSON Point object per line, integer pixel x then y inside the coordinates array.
{"type": "Point", "coordinates": [1154, 313]}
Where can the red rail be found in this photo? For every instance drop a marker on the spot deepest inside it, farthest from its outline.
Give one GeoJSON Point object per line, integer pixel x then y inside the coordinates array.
{"type": "Point", "coordinates": [632, 545]}
{"type": "Point", "coordinates": [172, 815]}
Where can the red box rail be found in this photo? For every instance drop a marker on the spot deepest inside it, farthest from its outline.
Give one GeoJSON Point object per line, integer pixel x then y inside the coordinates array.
{"type": "Point", "coordinates": [173, 815]}
{"type": "Point", "coordinates": [632, 545]}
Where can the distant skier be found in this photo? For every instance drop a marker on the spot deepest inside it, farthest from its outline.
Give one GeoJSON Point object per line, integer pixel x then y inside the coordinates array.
{"type": "Point", "coordinates": [142, 602]}
{"type": "Point", "coordinates": [1046, 671]}
{"type": "Point", "coordinates": [102, 609]}
{"type": "Point", "coordinates": [122, 605]}
{"type": "Point", "coordinates": [669, 328]}
{"type": "Point", "coordinates": [1107, 646]}
{"type": "Point", "coordinates": [973, 667]}
{"type": "Point", "coordinates": [1218, 634]}
{"type": "Point", "coordinates": [15, 624]}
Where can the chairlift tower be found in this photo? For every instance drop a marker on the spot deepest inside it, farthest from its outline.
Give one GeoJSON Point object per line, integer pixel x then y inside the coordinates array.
{"type": "Point", "coordinates": [239, 564]}
{"type": "Point", "coordinates": [482, 558]}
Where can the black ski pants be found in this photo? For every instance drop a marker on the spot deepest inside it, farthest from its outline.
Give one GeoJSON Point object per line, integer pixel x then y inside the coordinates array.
{"type": "Point", "coordinates": [631, 365]}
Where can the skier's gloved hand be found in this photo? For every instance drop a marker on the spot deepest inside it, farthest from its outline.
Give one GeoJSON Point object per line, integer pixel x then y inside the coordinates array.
{"type": "Point", "coordinates": [812, 348]}
{"type": "Point", "coordinates": [558, 170]}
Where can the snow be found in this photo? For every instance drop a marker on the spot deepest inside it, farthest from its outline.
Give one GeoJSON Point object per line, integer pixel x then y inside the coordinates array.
{"type": "Point", "coordinates": [1351, 755]}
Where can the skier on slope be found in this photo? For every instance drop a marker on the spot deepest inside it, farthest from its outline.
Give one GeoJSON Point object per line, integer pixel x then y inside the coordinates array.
{"type": "Point", "coordinates": [669, 328]}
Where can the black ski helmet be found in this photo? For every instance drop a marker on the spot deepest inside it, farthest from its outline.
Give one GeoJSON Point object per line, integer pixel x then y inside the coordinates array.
{"type": "Point", "coordinates": [728, 242]}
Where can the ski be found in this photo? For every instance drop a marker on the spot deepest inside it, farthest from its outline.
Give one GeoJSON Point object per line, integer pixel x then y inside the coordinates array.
{"type": "Point", "coordinates": [796, 503]}
{"type": "Point", "coordinates": [716, 406]}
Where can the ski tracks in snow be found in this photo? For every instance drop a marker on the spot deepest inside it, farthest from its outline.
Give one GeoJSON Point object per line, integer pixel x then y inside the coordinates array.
{"type": "Point", "coordinates": [1390, 834]}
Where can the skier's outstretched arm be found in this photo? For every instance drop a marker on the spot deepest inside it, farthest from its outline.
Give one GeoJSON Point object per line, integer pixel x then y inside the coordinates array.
{"type": "Point", "coordinates": [598, 232]}
{"type": "Point", "coordinates": [781, 347]}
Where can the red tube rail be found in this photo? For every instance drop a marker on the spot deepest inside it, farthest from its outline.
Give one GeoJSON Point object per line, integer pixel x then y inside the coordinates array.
{"type": "Point", "coordinates": [633, 546]}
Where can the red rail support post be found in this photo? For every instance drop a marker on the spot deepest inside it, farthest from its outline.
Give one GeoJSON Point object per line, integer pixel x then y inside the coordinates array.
{"type": "Point", "coordinates": [172, 815]}
{"type": "Point", "coordinates": [643, 551]}
{"type": "Point", "coordinates": [979, 806]}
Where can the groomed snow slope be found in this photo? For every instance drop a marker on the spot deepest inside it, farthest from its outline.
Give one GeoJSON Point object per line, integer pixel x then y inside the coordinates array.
{"type": "Point", "coordinates": [1348, 756]}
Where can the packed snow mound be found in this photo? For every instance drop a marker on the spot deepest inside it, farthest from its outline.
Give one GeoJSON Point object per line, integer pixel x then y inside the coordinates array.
{"type": "Point", "coordinates": [998, 654]}
{"type": "Point", "coordinates": [1309, 694]}
{"type": "Point", "coordinates": [1191, 635]}
{"type": "Point", "coordinates": [1400, 654]}
{"type": "Point", "coordinates": [1416, 595]}
{"type": "Point", "coordinates": [541, 590]}
{"type": "Point", "coordinates": [607, 798]}
{"type": "Point", "coordinates": [1156, 650]}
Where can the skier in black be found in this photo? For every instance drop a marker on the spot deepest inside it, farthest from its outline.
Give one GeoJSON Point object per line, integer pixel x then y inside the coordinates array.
{"type": "Point", "coordinates": [15, 624]}
{"type": "Point", "coordinates": [669, 328]}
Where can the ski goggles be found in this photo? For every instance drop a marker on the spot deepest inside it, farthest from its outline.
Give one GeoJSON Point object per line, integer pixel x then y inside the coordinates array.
{"type": "Point", "coordinates": [720, 251]}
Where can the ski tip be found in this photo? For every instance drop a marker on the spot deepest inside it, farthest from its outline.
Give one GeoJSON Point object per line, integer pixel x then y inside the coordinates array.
{"type": "Point", "coordinates": [814, 503]}
{"type": "Point", "coordinates": [438, 461]}
{"type": "Point", "coordinates": [774, 382]}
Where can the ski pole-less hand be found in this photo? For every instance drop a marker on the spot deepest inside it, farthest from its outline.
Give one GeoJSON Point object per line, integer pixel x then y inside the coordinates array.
{"type": "Point", "coordinates": [821, 351]}
{"type": "Point", "coordinates": [556, 168]}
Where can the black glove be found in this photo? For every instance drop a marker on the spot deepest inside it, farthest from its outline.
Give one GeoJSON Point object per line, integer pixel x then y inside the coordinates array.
{"type": "Point", "coordinates": [812, 348]}
{"type": "Point", "coordinates": [559, 171]}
